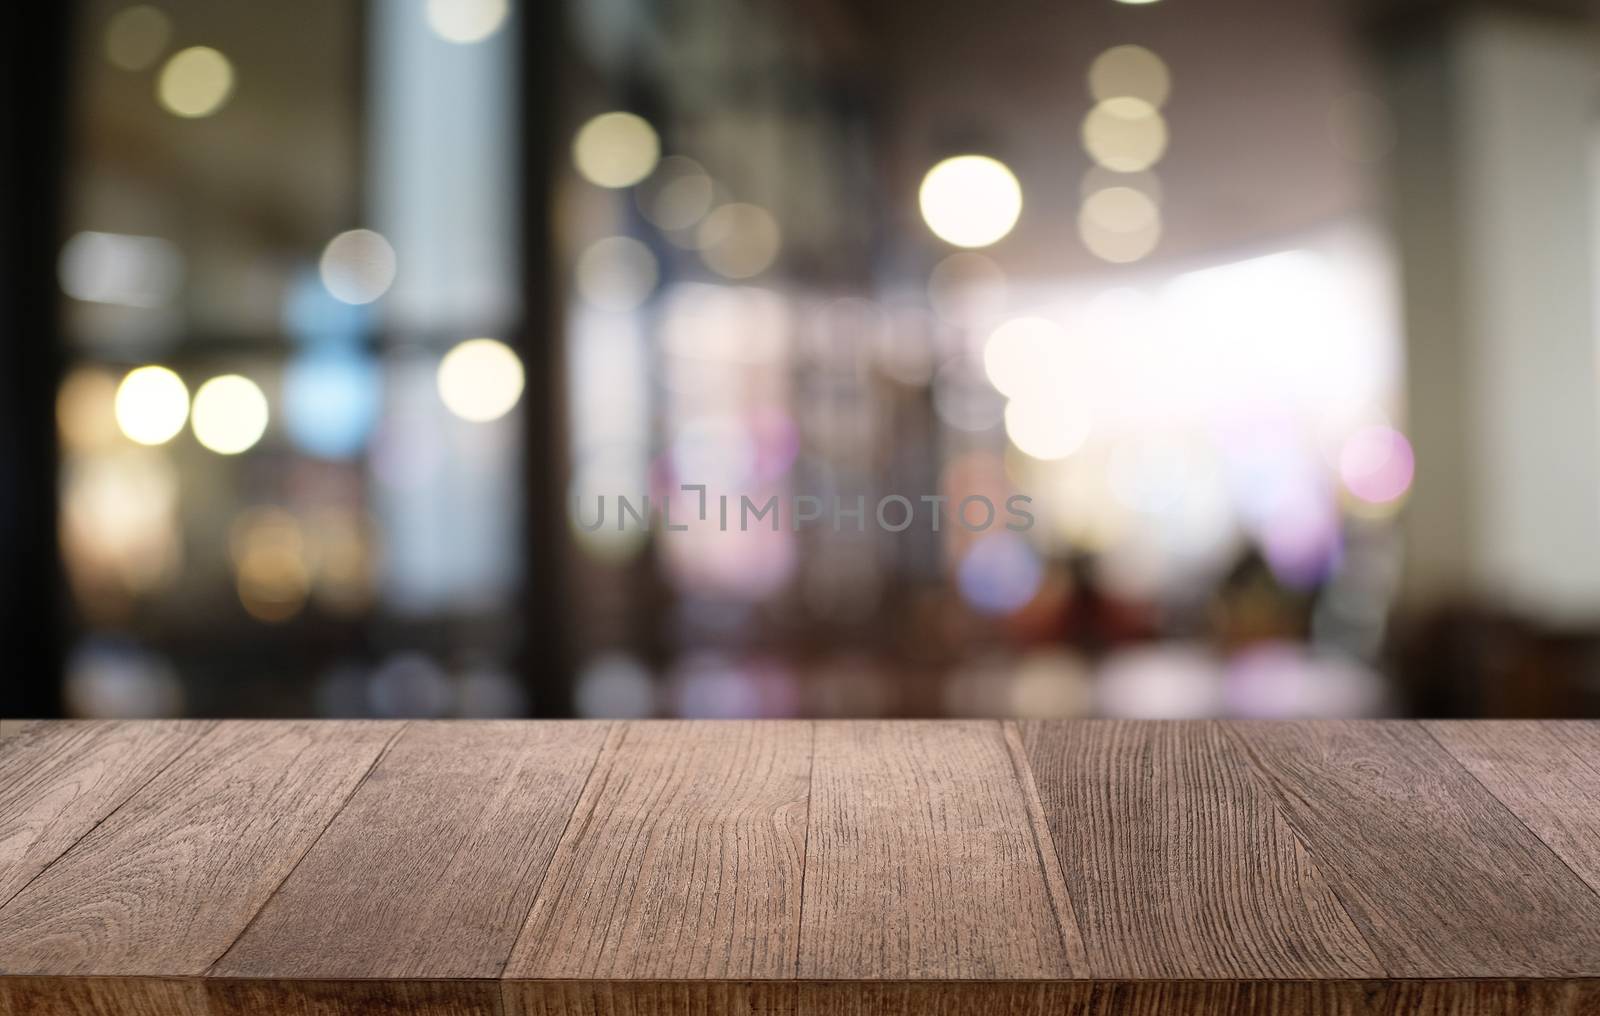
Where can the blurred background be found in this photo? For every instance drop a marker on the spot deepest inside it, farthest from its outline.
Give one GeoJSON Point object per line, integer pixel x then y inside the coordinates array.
{"type": "Point", "coordinates": [353, 350]}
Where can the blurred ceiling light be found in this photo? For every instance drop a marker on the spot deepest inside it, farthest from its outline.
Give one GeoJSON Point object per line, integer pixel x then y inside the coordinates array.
{"type": "Point", "coordinates": [1120, 210]}
{"type": "Point", "coordinates": [230, 414]}
{"type": "Point", "coordinates": [84, 413]}
{"type": "Point", "coordinates": [152, 405]}
{"type": "Point", "coordinates": [1048, 428]}
{"type": "Point", "coordinates": [134, 271]}
{"type": "Point", "coordinates": [1098, 178]}
{"type": "Point", "coordinates": [1361, 127]}
{"type": "Point", "coordinates": [1125, 134]}
{"type": "Point", "coordinates": [1115, 245]}
{"type": "Point", "coordinates": [739, 240]}
{"type": "Point", "coordinates": [617, 273]}
{"type": "Point", "coordinates": [1019, 352]}
{"type": "Point", "coordinates": [466, 21]}
{"type": "Point", "coordinates": [136, 37]}
{"type": "Point", "coordinates": [616, 150]}
{"type": "Point", "coordinates": [195, 82]}
{"type": "Point", "coordinates": [970, 200]}
{"type": "Point", "coordinates": [480, 380]}
{"type": "Point", "coordinates": [967, 288]}
{"type": "Point", "coordinates": [1377, 464]}
{"type": "Point", "coordinates": [1130, 71]}
{"type": "Point", "coordinates": [358, 266]}
{"type": "Point", "coordinates": [678, 195]}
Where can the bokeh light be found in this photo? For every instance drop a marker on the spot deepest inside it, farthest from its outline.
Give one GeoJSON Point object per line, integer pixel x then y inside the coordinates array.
{"type": "Point", "coordinates": [967, 288]}
{"type": "Point", "coordinates": [358, 266]}
{"type": "Point", "coordinates": [1119, 224]}
{"type": "Point", "coordinates": [617, 273]}
{"type": "Point", "coordinates": [330, 402]}
{"type": "Point", "coordinates": [195, 82]}
{"type": "Point", "coordinates": [1377, 464]}
{"type": "Point", "coordinates": [970, 200]}
{"type": "Point", "coordinates": [85, 416]}
{"type": "Point", "coordinates": [272, 573]}
{"type": "Point", "coordinates": [1130, 71]}
{"type": "Point", "coordinates": [677, 195]}
{"type": "Point", "coordinates": [230, 414]}
{"type": "Point", "coordinates": [1048, 428]}
{"type": "Point", "coordinates": [1021, 353]}
{"type": "Point", "coordinates": [480, 380]}
{"type": "Point", "coordinates": [133, 271]}
{"type": "Point", "coordinates": [615, 686]}
{"type": "Point", "coordinates": [152, 405]}
{"type": "Point", "coordinates": [738, 241]}
{"type": "Point", "coordinates": [616, 150]}
{"type": "Point", "coordinates": [1125, 134]}
{"type": "Point", "coordinates": [466, 21]}
{"type": "Point", "coordinates": [137, 36]}
{"type": "Point", "coordinates": [1000, 573]}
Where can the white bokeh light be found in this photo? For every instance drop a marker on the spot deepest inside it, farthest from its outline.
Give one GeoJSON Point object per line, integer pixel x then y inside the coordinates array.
{"type": "Point", "coordinates": [970, 200]}
{"type": "Point", "coordinates": [230, 414]}
{"type": "Point", "coordinates": [480, 380]}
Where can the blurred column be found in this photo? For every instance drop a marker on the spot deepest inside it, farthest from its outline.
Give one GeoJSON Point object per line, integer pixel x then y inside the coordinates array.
{"type": "Point", "coordinates": [34, 74]}
{"type": "Point", "coordinates": [1494, 194]}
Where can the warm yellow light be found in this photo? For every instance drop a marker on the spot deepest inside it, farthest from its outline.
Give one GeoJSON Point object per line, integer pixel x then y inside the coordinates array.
{"type": "Point", "coordinates": [1125, 134]}
{"type": "Point", "coordinates": [1047, 429]}
{"type": "Point", "coordinates": [136, 36]}
{"type": "Point", "coordinates": [617, 273]}
{"type": "Point", "coordinates": [1132, 72]}
{"type": "Point", "coordinates": [480, 380]}
{"type": "Point", "coordinates": [616, 150]}
{"type": "Point", "coordinates": [1119, 210]}
{"type": "Point", "coordinates": [1021, 353]}
{"type": "Point", "coordinates": [358, 266]}
{"type": "Point", "coordinates": [230, 414]}
{"type": "Point", "coordinates": [1119, 224]}
{"type": "Point", "coordinates": [268, 548]}
{"type": "Point", "coordinates": [84, 409]}
{"type": "Point", "coordinates": [151, 405]}
{"type": "Point", "coordinates": [970, 200]}
{"type": "Point", "coordinates": [195, 82]}
{"type": "Point", "coordinates": [738, 240]}
{"type": "Point", "coordinates": [466, 20]}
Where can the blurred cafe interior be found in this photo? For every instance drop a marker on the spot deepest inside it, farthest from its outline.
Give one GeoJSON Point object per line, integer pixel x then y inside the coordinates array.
{"type": "Point", "coordinates": [659, 358]}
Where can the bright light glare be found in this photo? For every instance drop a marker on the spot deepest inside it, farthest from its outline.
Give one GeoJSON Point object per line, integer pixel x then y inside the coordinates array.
{"type": "Point", "coordinates": [466, 21]}
{"type": "Point", "coordinates": [970, 200]}
{"type": "Point", "coordinates": [1048, 428]}
{"type": "Point", "coordinates": [230, 414]}
{"type": "Point", "coordinates": [152, 404]}
{"type": "Point", "coordinates": [1020, 352]}
{"type": "Point", "coordinates": [358, 266]}
{"type": "Point", "coordinates": [480, 380]}
{"type": "Point", "coordinates": [616, 150]}
{"type": "Point", "coordinates": [195, 82]}
{"type": "Point", "coordinates": [1125, 134]}
{"type": "Point", "coordinates": [1377, 464]}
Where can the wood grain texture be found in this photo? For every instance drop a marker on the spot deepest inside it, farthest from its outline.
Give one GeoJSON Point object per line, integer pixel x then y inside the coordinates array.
{"type": "Point", "coordinates": [58, 781]}
{"type": "Point", "coordinates": [167, 883]}
{"type": "Point", "coordinates": [650, 998]}
{"type": "Point", "coordinates": [286, 997]}
{"type": "Point", "coordinates": [431, 868]}
{"type": "Point", "coordinates": [1177, 862]}
{"type": "Point", "coordinates": [921, 861]}
{"type": "Point", "coordinates": [103, 996]}
{"type": "Point", "coordinates": [1547, 774]}
{"type": "Point", "coordinates": [683, 859]}
{"type": "Point", "coordinates": [1438, 876]}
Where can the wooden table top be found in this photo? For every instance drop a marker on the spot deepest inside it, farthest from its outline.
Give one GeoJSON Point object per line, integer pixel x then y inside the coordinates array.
{"type": "Point", "coordinates": [799, 868]}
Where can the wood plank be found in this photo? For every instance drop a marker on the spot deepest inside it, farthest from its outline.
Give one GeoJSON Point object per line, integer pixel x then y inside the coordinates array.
{"type": "Point", "coordinates": [1177, 862]}
{"type": "Point", "coordinates": [1441, 879]}
{"type": "Point", "coordinates": [432, 867]}
{"type": "Point", "coordinates": [286, 997]}
{"type": "Point", "coordinates": [1543, 774]}
{"type": "Point", "coordinates": [103, 996]}
{"type": "Point", "coordinates": [683, 859]}
{"type": "Point", "coordinates": [58, 780]}
{"type": "Point", "coordinates": [921, 861]}
{"type": "Point", "coordinates": [650, 998]}
{"type": "Point", "coordinates": [167, 883]}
